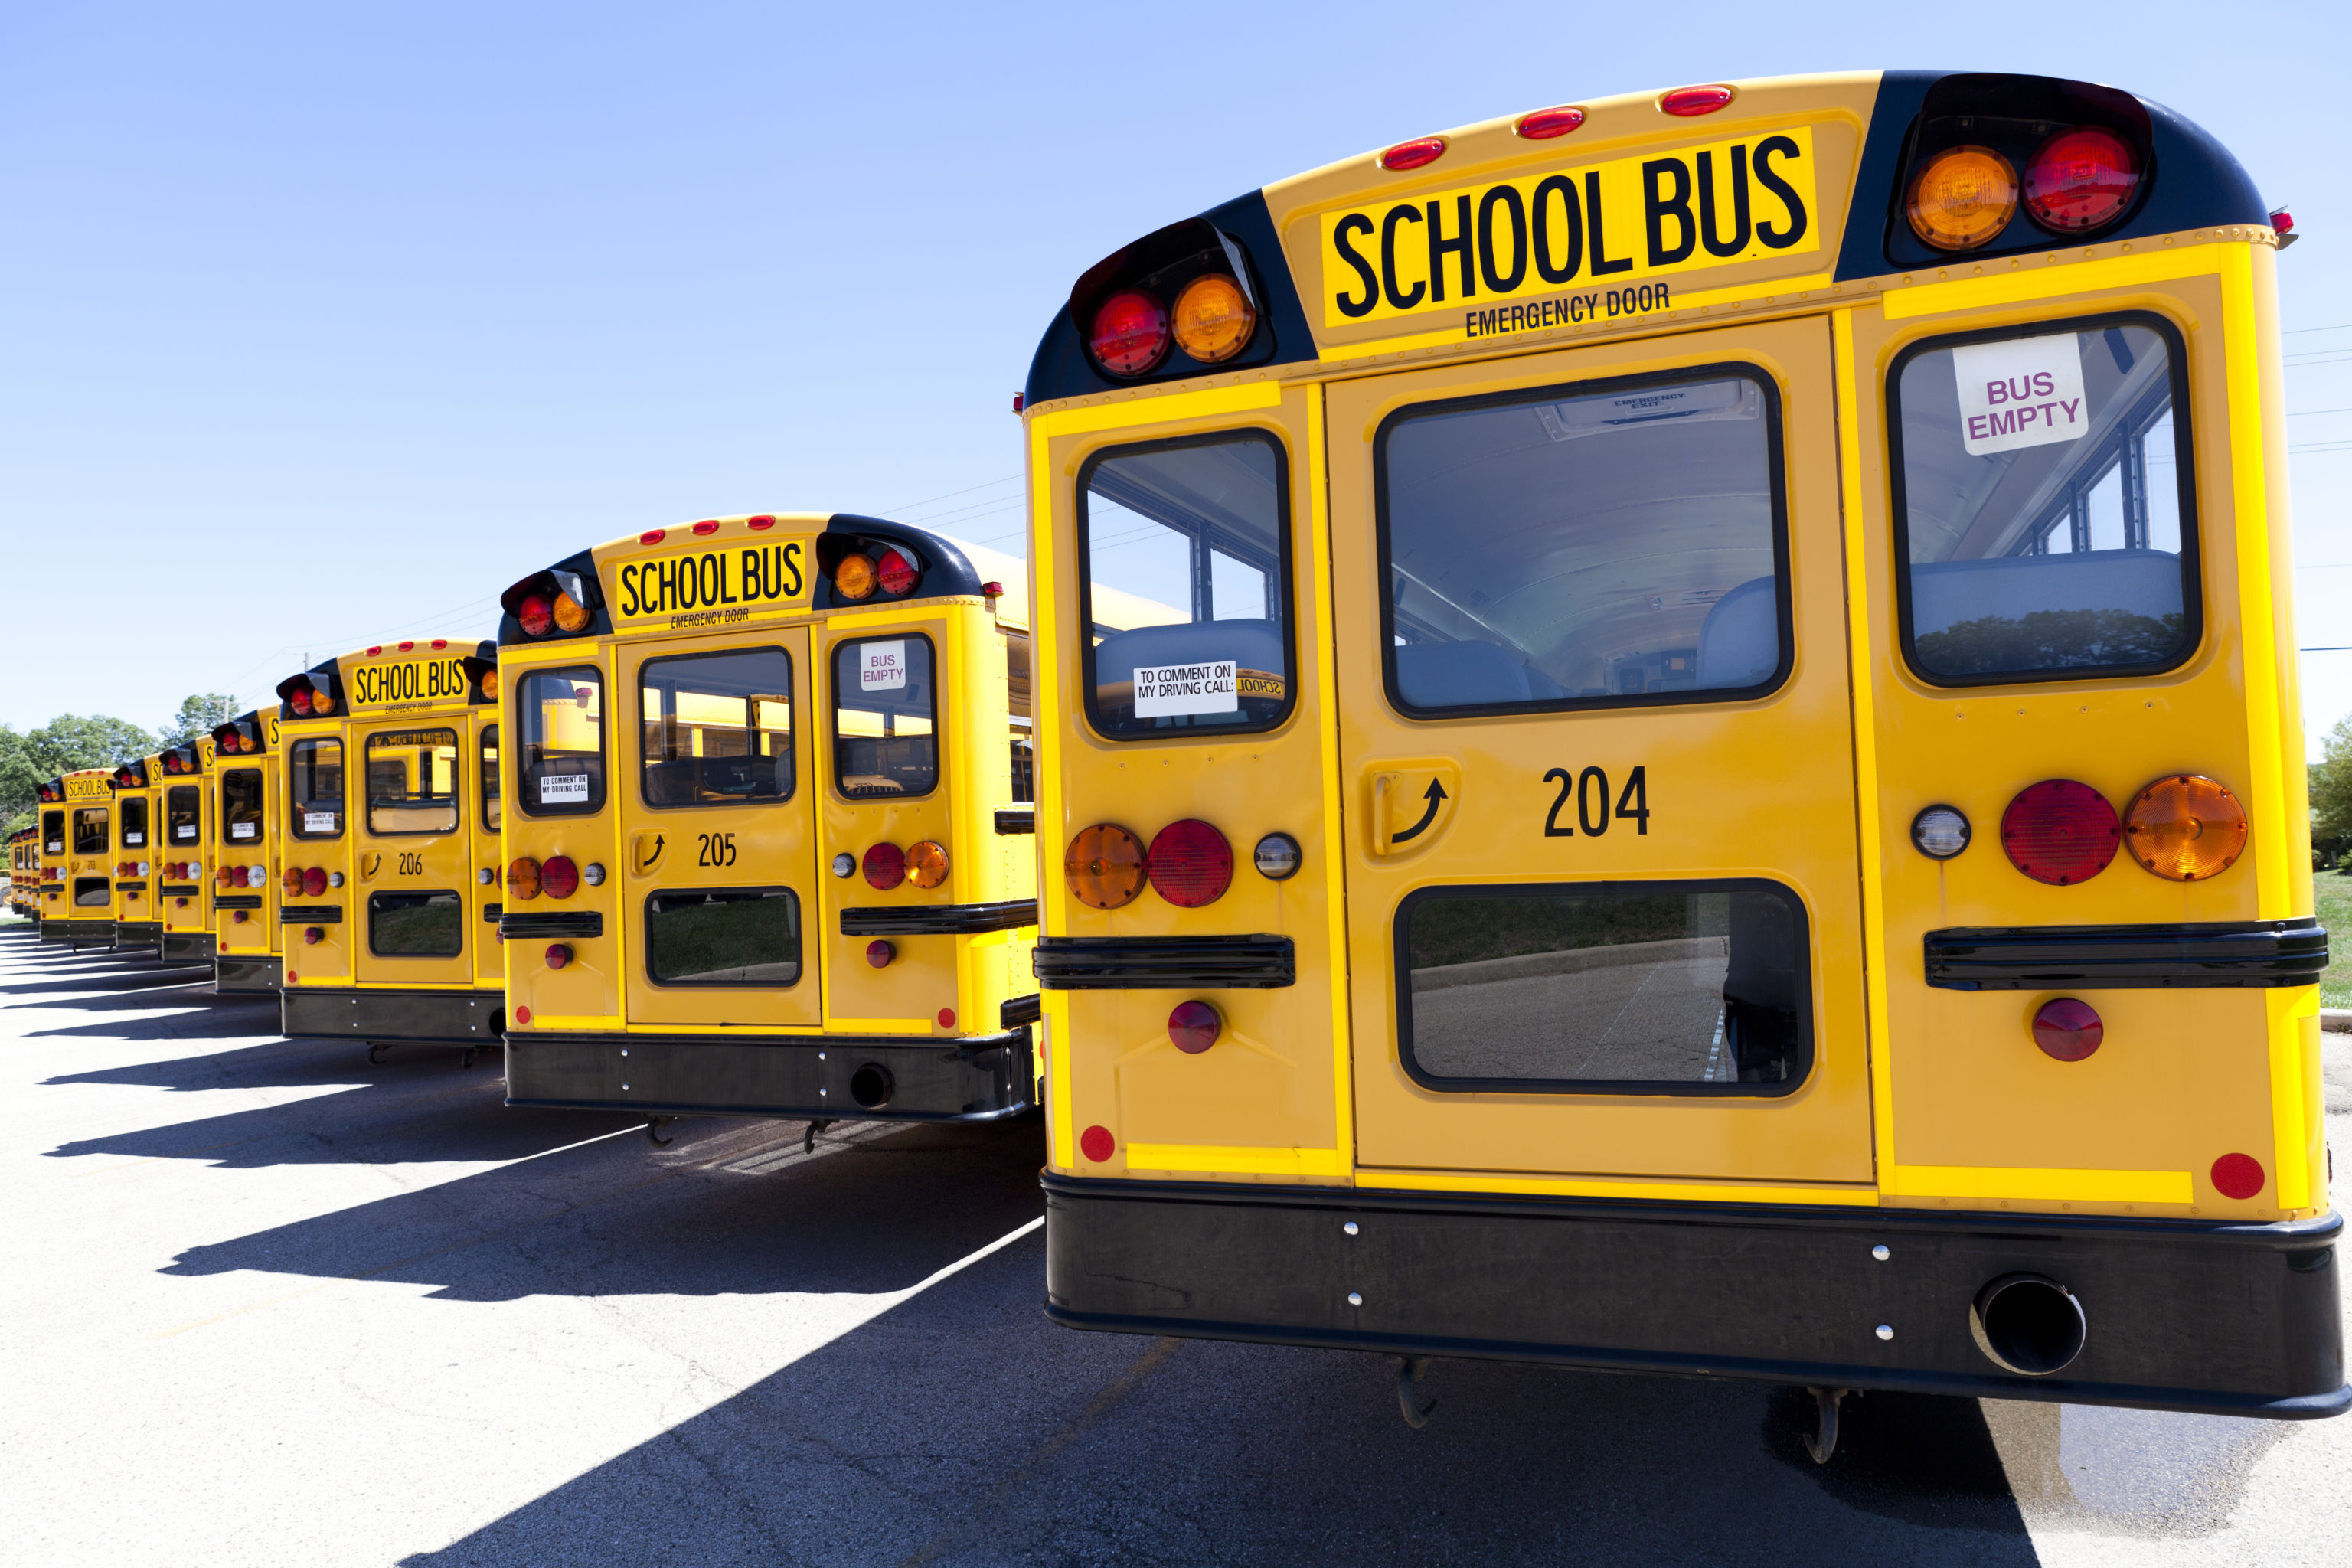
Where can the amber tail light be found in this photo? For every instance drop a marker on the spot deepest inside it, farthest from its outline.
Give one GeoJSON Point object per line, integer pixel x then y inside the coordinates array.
{"type": "Point", "coordinates": [2184, 827]}
{"type": "Point", "coordinates": [1105, 865]}
{"type": "Point", "coordinates": [522, 878]}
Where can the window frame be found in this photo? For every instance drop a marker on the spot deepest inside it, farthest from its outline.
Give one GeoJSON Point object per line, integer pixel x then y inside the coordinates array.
{"type": "Point", "coordinates": [260, 783]}
{"type": "Point", "coordinates": [1283, 551]}
{"type": "Point", "coordinates": [452, 893]}
{"type": "Point", "coordinates": [294, 807]}
{"type": "Point", "coordinates": [122, 813]}
{"type": "Point", "coordinates": [598, 777]}
{"type": "Point", "coordinates": [55, 845]}
{"type": "Point", "coordinates": [1776, 467]}
{"type": "Point", "coordinates": [106, 827]}
{"type": "Point", "coordinates": [1401, 990]}
{"type": "Point", "coordinates": [833, 715]}
{"type": "Point", "coordinates": [791, 759]}
{"type": "Point", "coordinates": [2184, 448]}
{"type": "Point", "coordinates": [196, 792]}
{"type": "Point", "coordinates": [800, 941]}
{"type": "Point", "coordinates": [491, 775]}
{"type": "Point", "coordinates": [456, 783]}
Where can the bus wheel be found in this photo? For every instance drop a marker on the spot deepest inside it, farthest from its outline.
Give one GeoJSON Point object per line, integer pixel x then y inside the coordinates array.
{"type": "Point", "coordinates": [1822, 1442]}
{"type": "Point", "coordinates": [1411, 1369]}
{"type": "Point", "coordinates": [654, 1133]}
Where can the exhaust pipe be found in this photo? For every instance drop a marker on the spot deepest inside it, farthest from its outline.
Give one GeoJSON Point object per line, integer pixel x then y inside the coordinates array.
{"type": "Point", "coordinates": [871, 1085]}
{"type": "Point", "coordinates": [2028, 1325]}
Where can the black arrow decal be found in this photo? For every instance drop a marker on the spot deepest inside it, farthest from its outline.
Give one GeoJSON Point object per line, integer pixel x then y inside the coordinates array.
{"type": "Point", "coordinates": [1435, 792]}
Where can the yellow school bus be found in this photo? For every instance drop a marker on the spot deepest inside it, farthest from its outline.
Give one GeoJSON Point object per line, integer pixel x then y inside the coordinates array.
{"type": "Point", "coordinates": [185, 847]}
{"type": "Point", "coordinates": [49, 852]}
{"type": "Point", "coordinates": [25, 872]}
{"type": "Point", "coordinates": [383, 892]}
{"type": "Point", "coordinates": [138, 921]}
{"type": "Point", "coordinates": [767, 851]}
{"type": "Point", "coordinates": [1677, 750]}
{"type": "Point", "coordinates": [78, 850]}
{"type": "Point", "coordinates": [246, 947]}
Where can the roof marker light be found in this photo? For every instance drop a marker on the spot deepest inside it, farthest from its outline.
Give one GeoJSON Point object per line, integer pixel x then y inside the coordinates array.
{"type": "Point", "coordinates": [653, 536]}
{"type": "Point", "coordinates": [759, 525]}
{"type": "Point", "coordinates": [708, 525]}
{"type": "Point", "coordinates": [1546, 123]}
{"type": "Point", "coordinates": [1412, 155]}
{"type": "Point", "coordinates": [2081, 180]}
{"type": "Point", "coordinates": [1689, 100]}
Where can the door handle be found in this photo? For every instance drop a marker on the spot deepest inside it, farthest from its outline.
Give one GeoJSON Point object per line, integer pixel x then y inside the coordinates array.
{"type": "Point", "coordinates": [1410, 805]}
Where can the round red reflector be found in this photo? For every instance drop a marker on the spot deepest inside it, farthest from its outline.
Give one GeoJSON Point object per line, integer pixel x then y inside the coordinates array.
{"type": "Point", "coordinates": [314, 883]}
{"type": "Point", "coordinates": [2237, 1175]}
{"type": "Point", "coordinates": [522, 1014]}
{"type": "Point", "coordinates": [947, 1017]}
{"type": "Point", "coordinates": [1130, 333]}
{"type": "Point", "coordinates": [897, 573]}
{"type": "Point", "coordinates": [759, 525]}
{"type": "Point", "coordinates": [2081, 180]}
{"type": "Point", "coordinates": [535, 616]}
{"type": "Point", "coordinates": [1096, 1144]}
{"type": "Point", "coordinates": [653, 536]}
{"type": "Point", "coordinates": [1193, 1027]}
{"type": "Point", "coordinates": [559, 876]}
{"type": "Point", "coordinates": [1412, 155]}
{"type": "Point", "coordinates": [2067, 1030]}
{"type": "Point", "coordinates": [558, 955]}
{"type": "Point", "coordinates": [1546, 123]}
{"type": "Point", "coordinates": [885, 866]}
{"type": "Point", "coordinates": [879, 953]}
{"type": "Point", "coordinates": [2059, 832]}
{"type": "Point", "coordinates": [1690, 100]}
{"type": "Point", "coordinates": [1191, 863]}
{"type": "Point", "coordinates": [708, 525]}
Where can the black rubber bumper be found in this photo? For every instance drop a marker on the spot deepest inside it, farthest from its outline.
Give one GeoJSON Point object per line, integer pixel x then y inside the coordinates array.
{"type": "Point", "coordinates": [188, 946]}
{"type": "Point", "coordinates": [975, 1079]}
{"type": "Point", "coordinates": [82, 933]}
{"type": "Point", "coordinates": [2233, 1320]}
{"type": "Point", "coordinates": [467, 1018]}
{"type": "Point", "coordinates": [247, 971]}
{"type": "Point", "coordinates": [138, 933]}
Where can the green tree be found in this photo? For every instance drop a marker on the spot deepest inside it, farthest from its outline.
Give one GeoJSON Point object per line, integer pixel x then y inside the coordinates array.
{"type": "Point", "coordinates": [2331, 791]}
{"type": "Point", "coordinates": [65, 742]}
{"type": "Point", "coordinates": [199, 713]}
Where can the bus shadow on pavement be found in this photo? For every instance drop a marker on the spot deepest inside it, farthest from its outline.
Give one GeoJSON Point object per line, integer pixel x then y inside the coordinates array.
{"type": "Point", "coordinates": [96, 978]}
{"type": "Point", "coordinates": [731, 1207]}
{"type": "Point", "coordinates": [960, 1427]}
{"type": "Point", "coordinates": [263, 1059]}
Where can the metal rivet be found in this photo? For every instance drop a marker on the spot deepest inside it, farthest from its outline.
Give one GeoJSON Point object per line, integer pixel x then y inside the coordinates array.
{"type": "Point", "coordinates": [820, 1056]}
{"type": "Point", "coordinates": [1880, 1252]}
{"type": "Point", "coordinates": [1354, 1300]}
{"type": "Point", "coordinates": [625, 1051]}
{"type": "Point", "coordinates": [1885, 1330]}
{"type": "Point", "coordinates": [624, 1088]}
{"type": "Point", "coordinates": [820, 1091]}
{"type": "Point", "coordinates": [1349, 1227]}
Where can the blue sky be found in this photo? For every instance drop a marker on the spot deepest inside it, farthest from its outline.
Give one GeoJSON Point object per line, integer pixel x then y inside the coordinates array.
{"type": "Point", "coordinates": [322, 323]}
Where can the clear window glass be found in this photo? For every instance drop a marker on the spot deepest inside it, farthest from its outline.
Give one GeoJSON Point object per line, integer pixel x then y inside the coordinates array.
{"type": "Point", "coordinates": [416, 925]}
{"type": "Point", "coordinates": [1611, 543]}
{"type": "Point", "coordinates": [53, 832]}
{"type": "Point", "coordinates": [240, 812]}
{"type": "Point", "coordinates": [491, 793]}
{"type": "Point", "coordinates": [412, 782]}
{"type": "Point", "coordinates": [92, 892]}
{"type": "Point", "coordinates": [1676, 988]}
{"type": "Point", "coordinates": [885, 741]}
{"type": "Point", "coordinates": [2042, 499]}
{"type": "Point", "coordinates": [724, 936]}
{"type": "Point", "coordinates": [134, 821]}
{"type": "Point", "coordinates": [562, 749]}
{"type": "Point", "coordinates": [1185, 585]}
{"type": "Point", "coordinates": [314, 771]}
{"type": "Point", "coordinates": [184, 809]}
{"type": "Point", "coordinates": [89, 823]}
{"type": "Point", "coordinates": [718, 728]}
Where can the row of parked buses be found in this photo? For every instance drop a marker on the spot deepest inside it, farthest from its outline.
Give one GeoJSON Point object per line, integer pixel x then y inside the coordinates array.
{"type": "Point", "coordinates": [1668, 742]}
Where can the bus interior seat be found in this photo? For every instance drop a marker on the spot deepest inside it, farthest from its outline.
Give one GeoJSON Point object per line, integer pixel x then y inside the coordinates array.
{"type": "Point", "coordinates": [1944, 593]}
{"type": "Point", "coordinates": [1251, 645]}
{"type": "Point", "coordinates": [1468, 674]}
{"type": "Point", "coordinates": [1739, 641]}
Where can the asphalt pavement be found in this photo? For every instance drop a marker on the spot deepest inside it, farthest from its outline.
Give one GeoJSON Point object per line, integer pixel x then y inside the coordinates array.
{"type": "Point", "coordinates": [265, 1302]}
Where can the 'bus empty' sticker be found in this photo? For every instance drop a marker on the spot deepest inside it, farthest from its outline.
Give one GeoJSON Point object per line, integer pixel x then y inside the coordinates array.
{"type": "Point", "coordinates": [2024, 392]}
{"type": "Point", "coordinates": [882, 666]}
{"type": "Point", "coordinates": [559, 788]}
{"type": "Point", "coordinates": [241, 830]}
{"type": "Point", "coordinates": [318, 822]}
{"type": "Point", "coordinates": [1164, 690]}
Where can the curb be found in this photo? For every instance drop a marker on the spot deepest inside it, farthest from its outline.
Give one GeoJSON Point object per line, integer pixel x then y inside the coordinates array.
{"type": "Point", "coordinates": [2336, 1020]}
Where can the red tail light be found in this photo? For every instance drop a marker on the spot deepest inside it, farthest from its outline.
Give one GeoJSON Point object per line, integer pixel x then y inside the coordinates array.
{"type": "Point", "coordinates": [897, 573]}
{"type": "Point", "coordinates": [1193, 1027]}
{"type": "Point", "coordinates": [1130, 333]}
{"type": "Point", "coordinates": [879, 953]}
{"type": "Point", "coordinates": [314, 881]}
{"type": "Point", "coordinates": [2059, 832]}
{"type": "Point", "coordinates": [559, 876]}
{"type": "Point", "coordinates": [1191, 863]}
{"type": "Point", "coordinates": [535, 615]}
{"type": "Point", "coordinates": [311, 936]}
{"type": "Point", "coordinates": [2081, 180]}
{"type": "Point", "coordinates": [885, 866]}
{"type": "Point", "coordinates": [558, 955]}
{"type": "Point", "coordinates": [2067, 1030]}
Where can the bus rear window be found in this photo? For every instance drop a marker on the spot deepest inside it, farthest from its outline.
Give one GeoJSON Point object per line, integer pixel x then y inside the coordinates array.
{"type": "Point", "coordinates": [491, 792]}
{"type": "Point", "coordinates": [563, 750]}
{"type": "Point", "coordinates": [2047, 516]}
{"type": "Point", "coordinates": [240, 802]}
{"type": "Point", "coordinates": [315, 774]}
{"type": "Point", "coordinates": [718, 728]}
{"type": "Point", "coordinates": [134, 821]}
{"type": "Point", "coordinates": [1609, 544]}
{"type": "Point", "coordinates": [90, 830]}
{"type": "Point", "coordinates": [412, 782]}
{"type": "Point", "coordinates": [886, 742]}
{"type": "Point", "coordinates": [723, 936]}
{"type": "Point", "coordinates": [184, 812]}
{"type": "Point", "coordinates": [416, 925]}
{"type": "Point", "coordinates": [53, 832]}
{"type": "Point", "coordinates": [1630, 988]}
{"type": "Point", "coordinates": [1185, 585]}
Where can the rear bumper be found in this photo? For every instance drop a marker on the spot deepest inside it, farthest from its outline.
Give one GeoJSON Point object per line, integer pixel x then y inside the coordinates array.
{"type": "Point", "coordinates": [2232, 1320]}
{"type": "Point", "coordinates": [251, 972]}
{"type": "Point", "coordinates": [468, 1018]}
{"type": "Point", "coordinates": [188, 946]}
{"type": "Point", "coordinates": [976, 1079]}
{"type": "Point", "coordinates": [55, 929]}
{"type": "Point", "coordinates": [137, 933]}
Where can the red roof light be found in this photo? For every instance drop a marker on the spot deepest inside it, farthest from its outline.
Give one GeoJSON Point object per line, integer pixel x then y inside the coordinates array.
{"type": "Point", "coordinates": [653, 536]}
{"type": "Point", "coordinates": [2081, 180]}
{"type": "Point", "coordinates": [1130, 333]}
{"type": "Point", "coordinates": [897, 573]}
{"type": "Point", "coordinates": [1412, 155]}
{"type": "Point", "coordinates": [1690, 100]}
{"type": "Point", "coordinates": [1546, 123]}
{"type": "Point", "coordinates": [759, 525]}
{"type": "Point", "coordinates": [708, 526]}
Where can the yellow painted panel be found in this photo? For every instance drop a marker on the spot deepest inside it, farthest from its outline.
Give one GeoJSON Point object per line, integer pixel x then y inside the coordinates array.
{"type": "Point", "coordinates": [1206, 402]}
{"type": "Point", "coordinates": [2050, 1186]}
{"type": "Point", "coordinates": [1662, 1192]}
{"type": "Point", "coordinates": [1251, 1161]}
{"type": "Point", "coordinates": [2053, 278]}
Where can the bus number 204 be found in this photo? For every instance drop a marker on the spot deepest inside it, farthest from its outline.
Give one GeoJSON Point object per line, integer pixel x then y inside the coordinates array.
{"type": "Point", "coordinates": [1591, 792]}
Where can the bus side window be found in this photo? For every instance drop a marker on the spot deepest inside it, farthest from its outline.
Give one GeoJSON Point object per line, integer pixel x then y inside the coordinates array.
{"type": "Point", "coordinates": [2046, 512]}
{"type": "Point", "coordinates": [885, 717]}
{"type": "Point", "coordinates": [1612, 544]}
{"type": "Point", "coordinates": [489, 775]}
